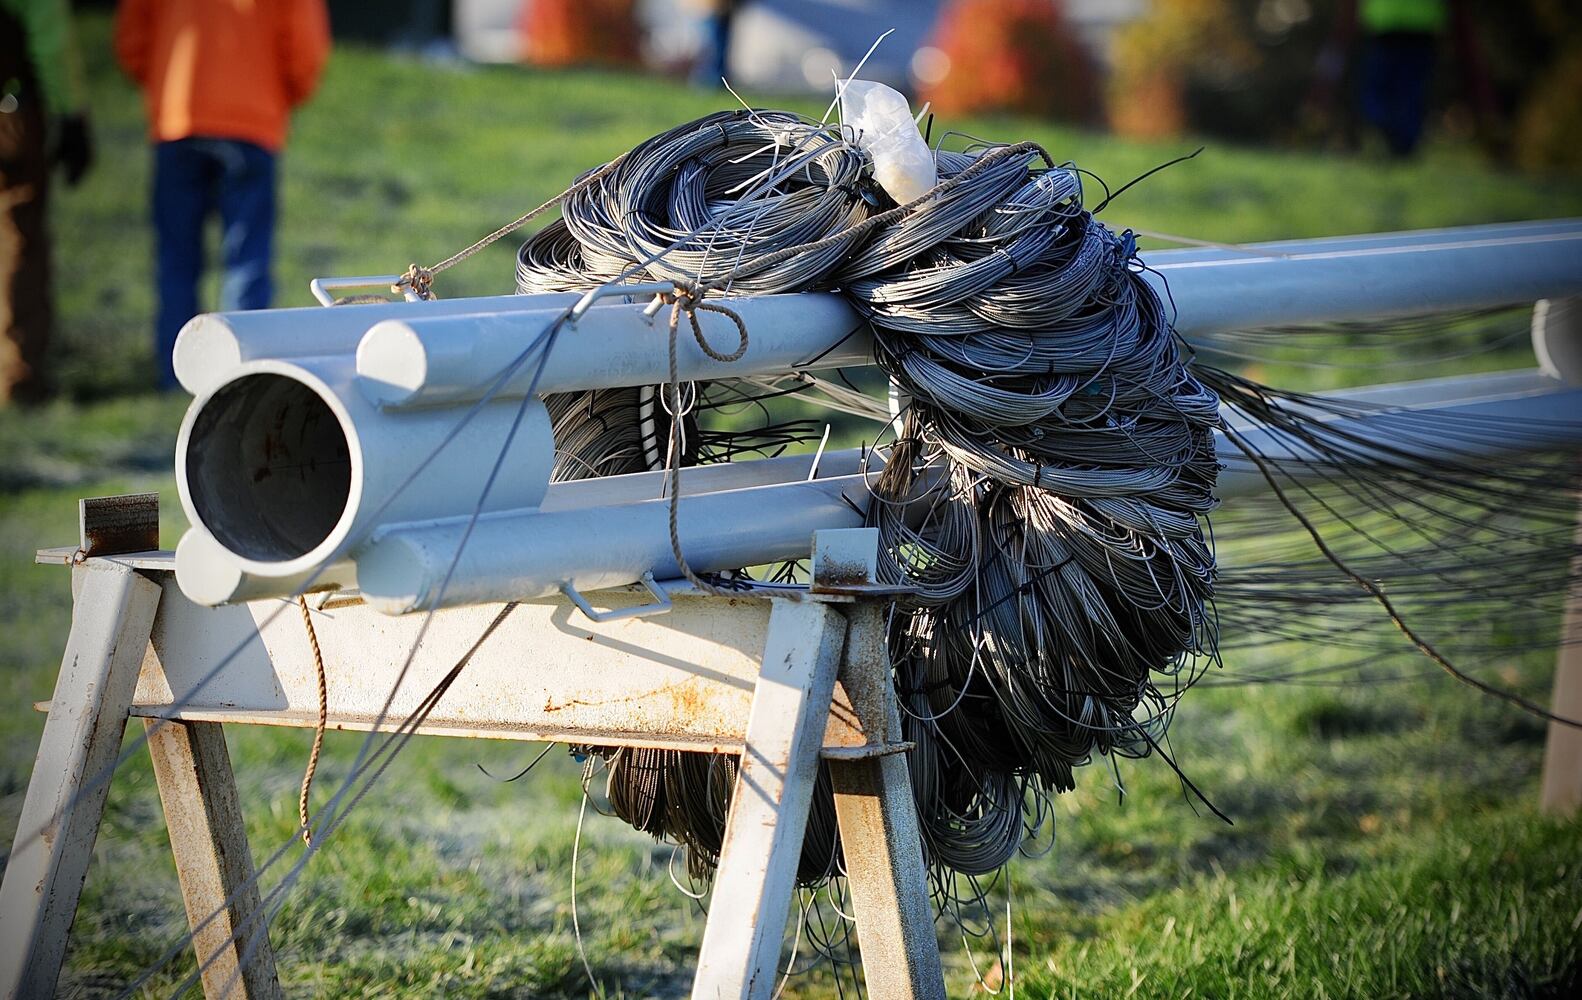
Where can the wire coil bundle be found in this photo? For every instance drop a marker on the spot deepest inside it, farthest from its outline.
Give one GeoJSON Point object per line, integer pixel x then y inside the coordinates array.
{"type": "Point", "coordinates": [1063, 566]}
{"type": "Point", "coordinates": [1047, 495]}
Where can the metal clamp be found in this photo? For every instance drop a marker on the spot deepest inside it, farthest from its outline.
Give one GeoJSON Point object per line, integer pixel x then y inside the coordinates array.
{"type": "Point", "coordinates": [660, 605]}
{"type": "Point", "coordinates": [321, 287]}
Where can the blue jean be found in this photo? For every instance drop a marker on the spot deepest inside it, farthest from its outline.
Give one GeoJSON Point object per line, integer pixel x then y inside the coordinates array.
{"type": "Point", "coordinates": [1397, 69]}
{"type": "Point", "coordinates": [714, 55]}
{"type": "Point", "coordinates": [193, 179]}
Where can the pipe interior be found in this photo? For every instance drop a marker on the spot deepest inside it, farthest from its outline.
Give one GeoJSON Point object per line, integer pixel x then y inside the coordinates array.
{"type": "Point", "coordinates": [268, 468]}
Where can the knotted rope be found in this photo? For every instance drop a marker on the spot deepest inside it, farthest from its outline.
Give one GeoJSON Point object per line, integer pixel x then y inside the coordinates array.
{"type": "Point", "coordinates": [689, 300]}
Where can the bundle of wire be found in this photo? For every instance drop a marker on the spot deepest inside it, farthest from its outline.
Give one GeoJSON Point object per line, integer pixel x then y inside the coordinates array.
{"type": "Point", "coordinates": [1064, 567]}
{"type": "Point", "coordinates": [1046, 497]}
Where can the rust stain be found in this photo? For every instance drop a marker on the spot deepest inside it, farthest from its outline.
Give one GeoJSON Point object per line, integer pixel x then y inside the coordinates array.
{"type": "Point", "coordinates": [686, 699]}
{"type": "Point", "coordinates": [689, 707]}
{"type": "Point", "coordinates": [836, 573]}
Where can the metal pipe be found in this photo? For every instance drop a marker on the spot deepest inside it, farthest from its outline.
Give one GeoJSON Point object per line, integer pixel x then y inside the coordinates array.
{"type": "Point", "coordinates": [520, 555]}
{"type": "Point", "coordinates": [526, 554]}
{"type": "Point", "coordinates": [428, 361]}
{"type": "Point", "coordinates": [1358, 277]}
{"type": "Point", "coordinates": [209, 575]}
{"type": "Point", "coordinates": [213, 345]}
{"type": "Point", "coordinates": [1557, 338]}
{"type": "Point", "coordinates": [286, 466]}
{"type": "Point", "coordinates": [1430, 417]}
{"type": "Point", "coordinates": [432, 359]}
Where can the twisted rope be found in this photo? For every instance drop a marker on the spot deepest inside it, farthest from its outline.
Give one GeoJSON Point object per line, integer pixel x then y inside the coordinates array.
{"type": "Point", "coordinates": [688, 301]}
{"type": "Point", "coordinates": [318, 729]}
{"type": "Point", "coordinates": [420, 280]}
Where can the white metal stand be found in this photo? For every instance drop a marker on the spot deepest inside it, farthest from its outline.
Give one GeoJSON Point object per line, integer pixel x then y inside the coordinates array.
{"type": "Point", "coordinates": [780, 681]}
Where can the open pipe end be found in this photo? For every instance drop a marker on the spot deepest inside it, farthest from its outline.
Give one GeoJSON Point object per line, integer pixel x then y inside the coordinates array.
{"type": "Point", "coordinates": [266, 468]}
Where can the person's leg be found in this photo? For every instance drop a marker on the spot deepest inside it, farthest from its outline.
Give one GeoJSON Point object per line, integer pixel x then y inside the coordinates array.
{"type": "Point", "coordinates": [1397, 71]}
{"type": "Point", "coordinates": [26, 308]}
{"type": "Point", "coordinates": [1416, 57]}
{"type": "Point", "coordinates": [247, 220]}
{"type": "Point", "coordinates": [711, 65]}
{"type": "Point", "coordinates": [1373, 83]}
{"type": "Point", "coordinates": [180, 202]}
{"type": "Point", "coordinates": [31, 294]}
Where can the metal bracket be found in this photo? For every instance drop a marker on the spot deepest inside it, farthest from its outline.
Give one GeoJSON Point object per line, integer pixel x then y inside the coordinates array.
{"type": "Point", "coordinates": [595, 294]}
{"type": "Point", "coordinates": [321, 287]}
{"type": "Point", "coordinates": [660, 605]}
{"type": "Point", "coordinates": [109, 526]}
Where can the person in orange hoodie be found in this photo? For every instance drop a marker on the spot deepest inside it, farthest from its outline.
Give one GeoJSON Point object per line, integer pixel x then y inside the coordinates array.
{"type": "Point", "coordinates": [219, 79]}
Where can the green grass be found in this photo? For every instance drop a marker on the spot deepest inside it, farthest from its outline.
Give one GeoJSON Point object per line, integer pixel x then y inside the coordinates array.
{"type": "Point", "coordinates": [1385, 839]}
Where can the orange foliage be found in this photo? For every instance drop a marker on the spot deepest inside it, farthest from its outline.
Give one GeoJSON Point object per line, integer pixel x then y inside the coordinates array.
{"type": "Point", "coordinates": [1153, 106]}
{"type": "Point", "coordinates": [1013, 55]}
{"type": "Point", "coordinates": [1155, 55]}
{"type": "Point", "coordinates": [571, 32]}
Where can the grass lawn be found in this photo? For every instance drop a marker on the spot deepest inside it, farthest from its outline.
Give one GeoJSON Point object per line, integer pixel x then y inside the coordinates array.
{"type": "Point", "coordinates": [1385, 842]}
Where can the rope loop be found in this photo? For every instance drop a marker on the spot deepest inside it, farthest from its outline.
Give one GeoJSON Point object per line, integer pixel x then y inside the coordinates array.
{"type": "Point", "coordinates": [689, 299]}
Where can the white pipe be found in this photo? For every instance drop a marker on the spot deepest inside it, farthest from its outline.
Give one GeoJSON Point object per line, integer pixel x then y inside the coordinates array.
{"type": "Point", "coordinates": [286, 466]}
{"type": "Point", "coordinates": [287, 463]}
{"type": "Point", "coordinates": [209, 575]}
{"type": "Point", "coordinates": [213, 345]}
{"type": "Point", "coordinates": [521, 555]}
{"type": "Point", "coordinates": [424, 361]}
{"type": "Point", "coordinates": [431, 359]}
{"type": "Point", "coordinates": [1557, 338]}
{"type": "Point", "coordinates": [1363, 277]}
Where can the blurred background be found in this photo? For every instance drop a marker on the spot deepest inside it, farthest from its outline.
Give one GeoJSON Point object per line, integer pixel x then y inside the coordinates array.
{"type": "Point", "coordinates": [1386, 841]}
{"type": "Point", "coordinates": [438, 119]}
{"type": "Point", "coordinates": [1505, 76]}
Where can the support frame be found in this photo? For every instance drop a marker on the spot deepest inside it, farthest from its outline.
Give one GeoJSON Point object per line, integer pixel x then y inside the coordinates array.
{"type": "Point", "coordinates": [781, 680]}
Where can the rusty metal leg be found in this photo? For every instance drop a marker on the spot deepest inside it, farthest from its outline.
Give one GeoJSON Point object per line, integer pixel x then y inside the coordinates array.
{"type": "Point", "coordinates": [878, 826]}
{"type": "Point", "coordinates": [110, 625]}
{"type": "Point", "coordinates": [209, 840]}
{"type": "Point", "coordinates": [769, 807]}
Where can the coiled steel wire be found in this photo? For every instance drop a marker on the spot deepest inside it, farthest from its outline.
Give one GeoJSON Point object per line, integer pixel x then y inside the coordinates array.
{"type": "Point", "coordinates": [1060, 565]}
{"type": "Point", "coordinates": [1046, 496]}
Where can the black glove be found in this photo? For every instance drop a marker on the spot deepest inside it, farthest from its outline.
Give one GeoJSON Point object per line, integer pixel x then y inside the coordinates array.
{"type": "Point", "coordinates": [74, 150]}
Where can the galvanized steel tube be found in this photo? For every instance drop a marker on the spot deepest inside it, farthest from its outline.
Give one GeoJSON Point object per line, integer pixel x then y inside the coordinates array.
{"type": "Point", "coordinates": [427, 361]}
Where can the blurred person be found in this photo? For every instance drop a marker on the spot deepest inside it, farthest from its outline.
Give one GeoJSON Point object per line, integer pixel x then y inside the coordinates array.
{"type": "Point", "coordinates": [219, 79]}
{"type": "Point", "coordinates": [1400, 51]}
{"type": "Point", "coordinates": [713, 56]}
{"type": "Point", "coordinates": [43, 123]}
